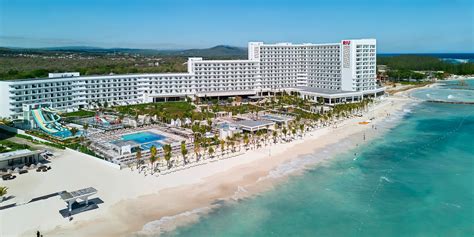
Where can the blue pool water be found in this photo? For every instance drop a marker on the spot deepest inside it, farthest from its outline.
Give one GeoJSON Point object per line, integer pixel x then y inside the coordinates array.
{"type": "Point", "coordinates": [147, 146]}
{"type": "Point", "coordinates": [146, 139]}
{"type": "Point", "coordinates": [415, 180]}
{"type": "Point", "coordinates": [143, 137]}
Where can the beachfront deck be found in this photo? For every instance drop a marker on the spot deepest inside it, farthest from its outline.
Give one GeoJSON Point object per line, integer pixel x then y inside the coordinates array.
{"type": "Point", "coordinates": [110, 144]}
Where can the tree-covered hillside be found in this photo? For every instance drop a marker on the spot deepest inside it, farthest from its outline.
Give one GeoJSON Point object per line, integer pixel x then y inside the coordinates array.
{"type": "Point", "coordinates": [424, 63]}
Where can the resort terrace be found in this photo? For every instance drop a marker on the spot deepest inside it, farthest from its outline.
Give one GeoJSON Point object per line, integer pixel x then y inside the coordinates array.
{"type": "Point", "coordinates": [120, 146]}
{"type": "Point", "coordinates": [254, 125]}
{"type": "Point", "coordinates": [332, 97]}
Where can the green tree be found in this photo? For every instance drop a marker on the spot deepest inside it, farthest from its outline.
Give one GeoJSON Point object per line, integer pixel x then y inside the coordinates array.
{"type": "Point", "coordinates": [138, 156]}
{"type": "Point", "coordinates": [211, 151]}
{"type": "Point", "coordinates": [74, 131]}
{"type": "Point", "coordinates": [167, 150]}
{"type": "Point", "coordinates": [3, 192]}
{"type": "Point", "coordinates": [284, 131]}
{"type": "Point", "coordinates": [153, 152]}
{"type": "Point", "coordinates": [246, 139]}
{"type": "Point", "coordinates": [184, 151]}
{"type": "Point", "coordinates": [197, 149]}
{"type": "Point", "coordinates": [222, 143]}
{"type": "Point", "coordinates": [275, 135]}
{"type": "Point", "coordinates": [85, 126]}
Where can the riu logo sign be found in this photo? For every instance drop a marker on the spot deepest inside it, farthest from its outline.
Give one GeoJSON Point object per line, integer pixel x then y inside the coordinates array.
{"type": "Point", "coordinates": [346, 42]}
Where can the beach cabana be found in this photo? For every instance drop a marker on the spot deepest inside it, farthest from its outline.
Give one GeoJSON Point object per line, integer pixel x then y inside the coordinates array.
{"type": "Point", "coordinates": [254, 125]}
{"type": "Point", "coordinates": [83, 194]}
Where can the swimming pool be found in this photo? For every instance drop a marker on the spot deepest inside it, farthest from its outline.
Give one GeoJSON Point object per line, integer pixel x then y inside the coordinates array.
{"type": "Point", "coordinates": [143, 137]}
{"type": "Point", "coordinates": [147, 146]}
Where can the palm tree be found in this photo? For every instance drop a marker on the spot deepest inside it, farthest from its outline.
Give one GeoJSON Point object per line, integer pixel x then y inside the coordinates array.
{"type": "Point", "coordinates": [152, 162]}
{"type": "Point", "coordinates": [222, 143]}
{"type": "Point", "coordinates": [211, 151]}
{"type": "Point", "coordinates": [246, 140]}
{"type": "Point", "coordinates": [3, 192]}
{"type": "Point", "coordinates": [85, 126]}
{"type": "Point", "coordinates": [284, 131]}
{"type": "Point", "coordinates": [184, 151]}
{"type": "Point", "coordinates": [236, 138]}
{"type": "Point", "coordinates": [197, 149]}
{"type": "Point", "coordinates": [167, 150]}
{"type": "Point", "coordinates": [275, 135]}
{"type": "Point", "coordinates": [138, 156]}
{"type": "Point", "coordinates": [74, 131]}
{"type": "Point", "coordinates": [153, 152]}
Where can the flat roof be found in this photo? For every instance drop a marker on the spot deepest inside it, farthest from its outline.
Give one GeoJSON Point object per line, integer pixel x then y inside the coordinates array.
{"type": "Point", "coordinates": [329, 93]}
{"type": "Point", "coordinates": [324, 91]}
{"type": "Point", "coordinates": [17, 154]}
{"type": "Point", "coordinates": [225, 93]}
{"type": "Point", "coordinates": [81, 193]}
{"type": "Point", "coordinates": [122, 143]}
{"type": "Point", "coordinates": [107, 76]}
{"type": "Point", "coordinates": [277, 118]}
{"type": "Point", "coordinates": [254, 123]}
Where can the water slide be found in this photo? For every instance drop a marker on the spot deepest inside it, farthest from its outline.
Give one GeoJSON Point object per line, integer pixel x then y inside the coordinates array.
{"type": "Point", "coordinates": [47, 120]}
{"type": "Point", "coordinates": [102, 120]}
{"type": "Point", "coordinates": [41, 122]}
{"type": "Point", "coordinates": [54, 118]}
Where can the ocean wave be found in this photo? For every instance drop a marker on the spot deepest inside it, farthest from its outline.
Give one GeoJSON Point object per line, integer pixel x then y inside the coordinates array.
{"type": "Point", "coordinates": [169, 223]}
{"type": "Point", "coordinates": [452, 204]}
{"type": "Point", "coordinates": [383, 178]}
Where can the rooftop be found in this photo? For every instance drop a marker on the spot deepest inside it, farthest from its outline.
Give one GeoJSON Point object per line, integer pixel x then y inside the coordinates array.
{"type": "Point", "coordinates": [81, 193]}
{"type": "Point", "coordinates": [276, 118]}
{"type": "Point", "coordinates": [254, 123]}
{"type": "Point", "coordinates": [323, 91]}
{"type": "Point", "coordinates": [17, 154]}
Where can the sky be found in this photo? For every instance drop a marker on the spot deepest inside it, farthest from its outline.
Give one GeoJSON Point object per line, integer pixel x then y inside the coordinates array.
{"type": "Point", "coordinates": [400, 26]}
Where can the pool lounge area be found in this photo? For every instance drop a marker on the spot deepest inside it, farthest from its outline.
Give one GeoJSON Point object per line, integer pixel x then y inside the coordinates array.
{"type": "Point", "coordinates": [120, 146]}
{"type": "Point", "coordinates": [145, 140]}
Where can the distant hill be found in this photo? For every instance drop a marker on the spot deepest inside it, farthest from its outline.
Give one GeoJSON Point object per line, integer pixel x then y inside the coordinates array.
{"type": "Point", "coordinates": [220, 51]}
{"type": "Point", "coordinates": [217, 51]}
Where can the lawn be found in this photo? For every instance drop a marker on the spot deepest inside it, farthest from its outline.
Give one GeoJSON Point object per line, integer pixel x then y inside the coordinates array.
{"type": "Point", "coordinates": [179, 109]}
{"type": "Point", "coordinates": [80, 113]}
{"type": "Point", "coordinates": [7, 146]}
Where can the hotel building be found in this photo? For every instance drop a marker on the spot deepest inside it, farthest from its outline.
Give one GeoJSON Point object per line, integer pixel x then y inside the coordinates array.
{"type": "Point", "coordinates": [337, 72]}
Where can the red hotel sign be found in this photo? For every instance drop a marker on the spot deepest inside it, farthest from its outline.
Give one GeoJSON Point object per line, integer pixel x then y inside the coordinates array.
{"type": "Point", "coordinates": [346, 42]}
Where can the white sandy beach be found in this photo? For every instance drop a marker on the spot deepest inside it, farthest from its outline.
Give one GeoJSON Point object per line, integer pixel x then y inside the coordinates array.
{"type": "Point", "coordinates": [132, 200]}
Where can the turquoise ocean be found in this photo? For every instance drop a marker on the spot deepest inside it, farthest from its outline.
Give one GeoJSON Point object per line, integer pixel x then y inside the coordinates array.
{"type": "Point", "coordinates": [416, 179]}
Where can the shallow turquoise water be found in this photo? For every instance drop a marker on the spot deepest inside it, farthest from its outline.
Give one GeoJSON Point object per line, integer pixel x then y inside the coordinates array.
{"type": "Point", "coordinates": [449, 91]}
{"type": "Point", "coordinates": [416, 180]}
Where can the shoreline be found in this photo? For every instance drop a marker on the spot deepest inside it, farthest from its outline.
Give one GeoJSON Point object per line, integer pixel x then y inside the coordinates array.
{"type": "Point", "coordinates": [138, 204]}
{"type": "Point", "coordinates": [171, 207]}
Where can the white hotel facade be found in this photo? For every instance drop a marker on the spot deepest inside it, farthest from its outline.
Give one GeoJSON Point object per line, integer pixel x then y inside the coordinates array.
{"type": "Point", "coordinates": [338, 72]}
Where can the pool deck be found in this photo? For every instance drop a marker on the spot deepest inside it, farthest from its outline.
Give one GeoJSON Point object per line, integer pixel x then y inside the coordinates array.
{"type": "Point", "coordinates": [105, 143]}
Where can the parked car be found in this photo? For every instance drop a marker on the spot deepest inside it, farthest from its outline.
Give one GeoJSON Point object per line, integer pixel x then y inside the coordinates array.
{"type": "Point", "coordinates": [8, 176]}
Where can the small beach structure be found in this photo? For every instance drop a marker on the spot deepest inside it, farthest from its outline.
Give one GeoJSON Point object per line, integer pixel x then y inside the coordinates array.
{"type": "Point", "coordinates": [19, 158]}
{"type": "Point", "coordinates": [279, 119]}
{"type": "Point", "coordinates": [254, 125]}
{"type": "Point", "coordinates": [83, 194]}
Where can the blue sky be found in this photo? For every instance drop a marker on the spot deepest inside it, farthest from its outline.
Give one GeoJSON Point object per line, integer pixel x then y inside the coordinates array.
{"type": "Point", "coordinates": [401, 26]}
